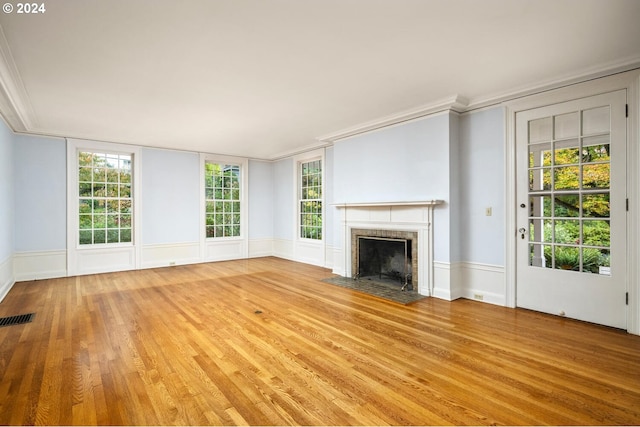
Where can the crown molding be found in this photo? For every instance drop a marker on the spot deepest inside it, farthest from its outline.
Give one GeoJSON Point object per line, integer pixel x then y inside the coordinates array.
{"type": "Point", "coordinates": [460, 104]}
{"type": "Point", "coordinates": [300, 150]}
{"type": "Point", "coordinates": [592, 73]}
{"type": "Point", "coordinates": [14, 99]}
{"type": "Point", "coordinates": [454, 103]}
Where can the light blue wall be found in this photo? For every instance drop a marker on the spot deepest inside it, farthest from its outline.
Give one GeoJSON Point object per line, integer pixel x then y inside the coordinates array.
{"type": "Point", "coordinates": [170, 196]}
{"type": "Point", "coordinates": [7, 202]}
{"type": "Point", "coordinates": [407, 162]}
{"type": "Point", "coordinates": [482, 140]}
{"type": "Point", "coordinates": [457, 159]}
{"type": "Point", "coordinates": [261, 200]}
{"type": "Point", "coordinates": [40, 193]}
{"type": "Point", "coordinates": [283, 199]}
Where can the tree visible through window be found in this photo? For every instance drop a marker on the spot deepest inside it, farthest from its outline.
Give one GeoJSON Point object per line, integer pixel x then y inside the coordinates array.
{"type": "Point", "coordinates": [104, 196]}
{"type": "Point", "coordinates": [311, 200]}
{"type": "Point", "coordinates": [222, 198]}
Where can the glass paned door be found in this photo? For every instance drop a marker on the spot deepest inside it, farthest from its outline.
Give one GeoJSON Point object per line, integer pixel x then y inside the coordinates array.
{"type": "Point", "coordinates": [569, 191]}
{"type": "Point", "coordinates": [571, 214]}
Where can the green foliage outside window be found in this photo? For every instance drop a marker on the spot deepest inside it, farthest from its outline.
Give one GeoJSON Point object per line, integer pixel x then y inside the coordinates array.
{"type": "Point", "coordinates": [104, 198]}
{"type": "Point", "coordinates": [311, 200]}
{"type": "Point", "coordinates": [222, 199]}
{"type": "Point", "coordinates": [579, 220]}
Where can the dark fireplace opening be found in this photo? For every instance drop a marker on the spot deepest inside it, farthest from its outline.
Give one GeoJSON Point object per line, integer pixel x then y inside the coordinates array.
{"type": "Point", "coordinates": [387, 260]}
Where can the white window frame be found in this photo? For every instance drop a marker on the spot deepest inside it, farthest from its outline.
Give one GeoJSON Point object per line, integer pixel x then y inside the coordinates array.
{"type": "Point", "coordinates": [299, 198]}
{"type": "Point", "coordinates": [310, 251]}
{"type": "Point", "coordinates": [107, 257]}
{"type": "Point", "coordinates": [231, 247]}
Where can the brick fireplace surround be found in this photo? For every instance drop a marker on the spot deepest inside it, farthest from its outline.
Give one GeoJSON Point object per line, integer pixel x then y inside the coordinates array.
{"type": "Point", "coordinates": [389, 234]}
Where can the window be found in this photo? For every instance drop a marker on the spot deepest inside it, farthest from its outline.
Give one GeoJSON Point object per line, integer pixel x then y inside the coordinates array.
{"type": "Point", "coordinates": [222, 200]}
{"type": "Point", "coordinates": [310, 200]}
{"type": "Point", "coordinates": [104, 198]}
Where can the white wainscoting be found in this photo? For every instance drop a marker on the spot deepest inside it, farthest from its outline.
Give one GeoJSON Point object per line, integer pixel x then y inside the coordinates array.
{"type": "Point", "coordinates": [225, 250]}
{"type": "Point", "coordinates": [309, 252]}
{"type": "Point", "coordinates": [167, 254]}
{"type": "Point", "coordinates": [339, 263]}
{"type": "Point", "coordinates": [6, 277]}
{"type": "Point", "coordinates": [329, 252]}
{"type": "Point", "coordinates": [260, 248]}
{"type": "Point", "coordinates": [283, 248]}
{"type": "Point", "coordinates": [442, 278]}
{"type": "Point", "coordinates": [102, 260]}
{"type": "Point", "coordinates": [39, 265]}
{"type": "Point", "coordinates": [476, 281]}
{"type": "Point", "coordinates": [483, 282]}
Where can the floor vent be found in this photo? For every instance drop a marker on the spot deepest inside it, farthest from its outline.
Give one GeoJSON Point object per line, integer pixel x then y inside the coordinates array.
{"type": "Point", "coordinates": [17, 320]}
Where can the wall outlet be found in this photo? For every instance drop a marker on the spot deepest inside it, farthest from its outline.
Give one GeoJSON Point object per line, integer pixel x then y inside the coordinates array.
{"type": "Point", "coordinates": [488, 211]}
{"type": "Point", "coordinates": [172, 263]}
{"type": "Point", "coordinates": [478, 297]}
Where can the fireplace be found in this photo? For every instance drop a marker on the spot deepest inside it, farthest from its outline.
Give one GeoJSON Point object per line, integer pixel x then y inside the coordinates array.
{"type": "Point", "coordinates": [404, 221]}
{"type": "Point", "coordinates": [387, 256]}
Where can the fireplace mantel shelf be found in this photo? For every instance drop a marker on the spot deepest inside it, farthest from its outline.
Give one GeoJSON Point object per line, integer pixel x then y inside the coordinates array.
{"type": "Point", "coordinates": [388, 204]}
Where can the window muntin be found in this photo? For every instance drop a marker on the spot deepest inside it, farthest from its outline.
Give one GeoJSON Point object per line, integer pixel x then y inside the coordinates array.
{"type": "Point", "coordinates": [104, 198]}
{"type": "Point", "coordinates": [310, 200]}
{"type": "Point", "coordinates": [569, 191]}
{"type": "Point", "coordinates": [222, 200]}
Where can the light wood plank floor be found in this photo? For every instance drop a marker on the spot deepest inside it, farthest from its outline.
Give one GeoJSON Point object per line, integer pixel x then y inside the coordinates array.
{"type": "Point", "coordinates": [264, 342]}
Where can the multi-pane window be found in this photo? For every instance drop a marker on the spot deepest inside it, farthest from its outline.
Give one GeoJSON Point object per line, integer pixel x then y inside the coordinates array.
{"type": "Point", "coordinates": [311, 200]}
{"type": "Point", "coordinates": [222, 199]}
{"type": "Point", "coordinates": [569, 191]}
{"type": "Point", "coordinates": [104, 198]}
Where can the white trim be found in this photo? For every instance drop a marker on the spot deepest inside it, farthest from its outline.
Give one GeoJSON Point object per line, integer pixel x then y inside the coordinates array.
{"type": "Point", "coordinates": [260, 247]}
{"type": "Point", "coordinates": [330, 252]}
{"type": "Point", "coordinates": [170, 254]}
{"type": "Point", "coordinates": [598, 72]}
{"type": "Point", "coordinates": [308, 250]}
{"type": "Point", "coordinates": [482, 282]}
{"type": "Point", "coordinates": [418, 219]}
{"type": "Point", "coordinates": [442, 280]}
{"type": "Point", "coordinates": [283, 248]}
{"type": "Point", "coordinates": [388, 204]}
{"type": "Point", "coordinates": [452, 103]}
{"type": "Point", "coordinates": [38, 265]}
{"type": "Point", "coordinates": [629, 81]}
{"type": "Point", "coordinates": [6, 277]}
{"type": "Point", "coordinates": [633, 194]}
{"type": "Point", "coordinates": [16, 104]}
{"type": "Point", "coordinates": [225, 248]}
{"type": "Point", "coordinates": [101, 258]}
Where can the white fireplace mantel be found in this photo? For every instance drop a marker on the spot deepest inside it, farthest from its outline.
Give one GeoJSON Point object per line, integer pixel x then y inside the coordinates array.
{"type": "Point", "coordinates": [413, 216]}
{"type": "Point", "coordinates": [388, 204]}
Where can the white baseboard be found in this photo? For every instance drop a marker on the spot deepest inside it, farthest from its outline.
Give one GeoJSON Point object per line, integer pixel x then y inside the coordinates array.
{"type": "Point", "coordinates": [39, 265]}
{"type": "Point", "coordinates": [476, 281]}
{"type": "Point", "coordinates": [483, 282]}
{"type": "Point", "coordinates": [168, 254]}
{"type": "Point", "coordinates": [442, 279]}
{"type": "Point", "coordinates": [6, 277]}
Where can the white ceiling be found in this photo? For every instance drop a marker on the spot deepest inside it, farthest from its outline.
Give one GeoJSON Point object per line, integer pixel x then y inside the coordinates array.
{"type": "Point", "coordinates": [267, 78]}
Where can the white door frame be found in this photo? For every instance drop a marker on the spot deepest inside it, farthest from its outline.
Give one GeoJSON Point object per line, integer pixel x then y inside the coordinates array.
{"type": "Point", "coordinates": [629, 81]}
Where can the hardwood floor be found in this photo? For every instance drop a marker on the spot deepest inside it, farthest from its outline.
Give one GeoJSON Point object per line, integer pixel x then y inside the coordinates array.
{"type": "Point", "coordinates": [264, 342]}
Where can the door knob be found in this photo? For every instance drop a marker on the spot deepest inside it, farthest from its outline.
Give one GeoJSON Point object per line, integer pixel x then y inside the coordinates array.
{"type": "Point", "coordinates": [522, 230]}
